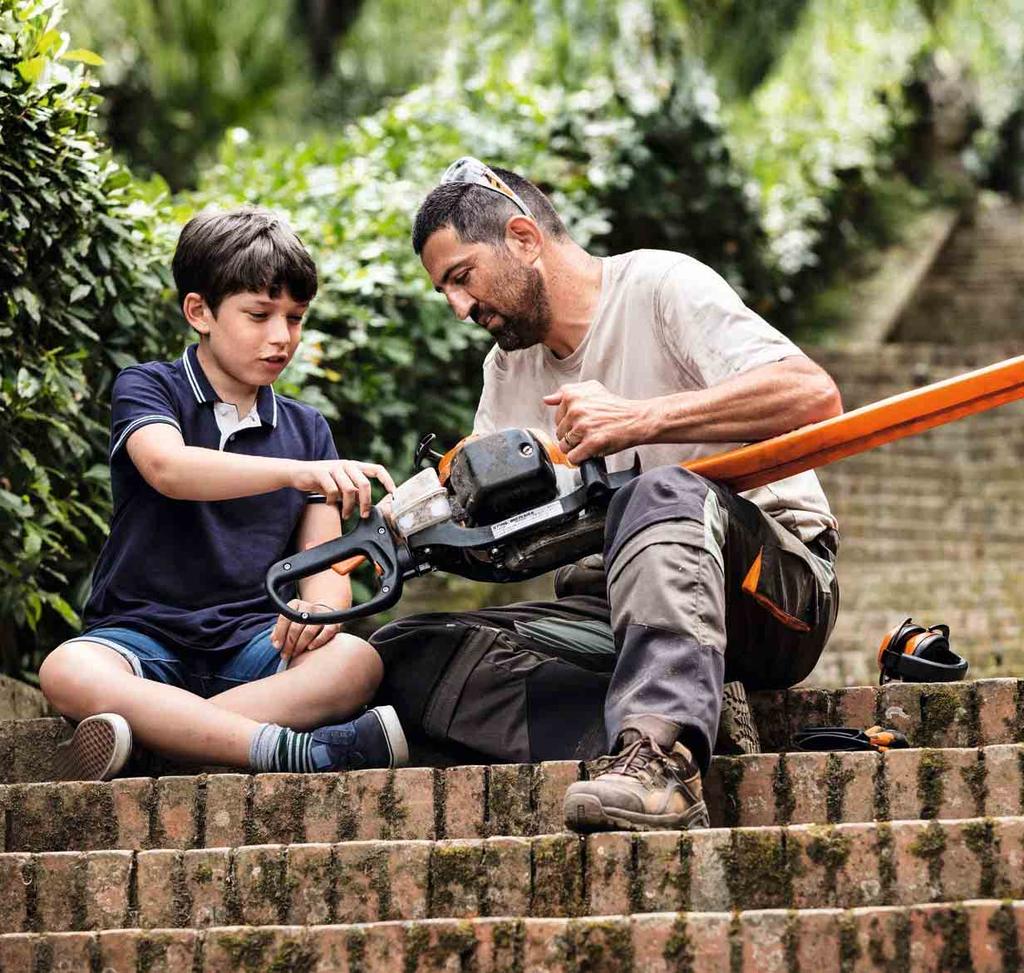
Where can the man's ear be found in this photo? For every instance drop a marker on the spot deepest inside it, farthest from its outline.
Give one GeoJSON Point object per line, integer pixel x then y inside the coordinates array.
{"type": "Point", "coordinates": [524, 238]}
{"type": "Point", "coordinates": [197, 312]}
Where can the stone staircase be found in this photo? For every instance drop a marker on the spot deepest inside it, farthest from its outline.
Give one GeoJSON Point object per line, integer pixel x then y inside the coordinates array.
{"type": "Point", "coordinates": [857, 861]}
{"type": "Point", "coordinates": [932, 526]}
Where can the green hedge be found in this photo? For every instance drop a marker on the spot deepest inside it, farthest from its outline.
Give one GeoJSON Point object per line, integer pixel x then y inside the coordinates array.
{"type": "Point", "coordinates": [81, 288]}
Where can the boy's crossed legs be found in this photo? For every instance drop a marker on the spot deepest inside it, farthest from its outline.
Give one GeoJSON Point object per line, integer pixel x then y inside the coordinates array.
{"type": "Point", "coordinates": [250, 724]}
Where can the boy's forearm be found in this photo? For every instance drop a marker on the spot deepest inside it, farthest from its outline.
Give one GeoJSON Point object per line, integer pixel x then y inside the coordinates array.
{"type": "Point", "coordinates": [196, 473]}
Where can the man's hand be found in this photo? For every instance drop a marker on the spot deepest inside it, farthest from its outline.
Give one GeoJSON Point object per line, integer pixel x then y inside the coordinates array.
{"type": "Point", "coordinates": [291, 639]}
{"type": "Point", "coordinates": [346, 480]}
{"type": "Point", "coordinates": [591, 421]}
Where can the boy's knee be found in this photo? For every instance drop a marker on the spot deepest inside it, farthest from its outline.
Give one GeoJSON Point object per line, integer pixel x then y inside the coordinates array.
{"type": "Point", "coordinates": [70, 678]}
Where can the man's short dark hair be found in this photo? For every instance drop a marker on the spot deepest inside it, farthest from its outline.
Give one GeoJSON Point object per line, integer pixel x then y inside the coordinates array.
{"type": "Point", "coordinates": [479, 215]}
{"type": "Point", "coordinates": [247, 249]}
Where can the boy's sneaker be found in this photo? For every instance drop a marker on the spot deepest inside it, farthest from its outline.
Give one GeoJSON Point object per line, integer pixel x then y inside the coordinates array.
{"type": "Point", "coordinates": [98, 749]}
{"type": "Point", "coordinates": [374, 739]}
{"type": "Point", "coordinates": [640, 788]}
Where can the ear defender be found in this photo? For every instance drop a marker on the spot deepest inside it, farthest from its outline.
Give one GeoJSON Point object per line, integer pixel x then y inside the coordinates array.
{"type": "Point", "coordinates": [913, 653]}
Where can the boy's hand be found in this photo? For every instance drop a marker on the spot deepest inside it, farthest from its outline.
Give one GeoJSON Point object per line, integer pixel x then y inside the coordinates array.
{"type": "Point", "coordinates": [291, 639]}
{"type": "Point", "coordinates": [342, 479]}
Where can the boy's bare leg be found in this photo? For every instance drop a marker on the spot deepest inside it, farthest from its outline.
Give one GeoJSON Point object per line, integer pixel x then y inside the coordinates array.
{"type": "Point", "coordinates": [327, 685]}
{"type": "Point", "coordinates": [82, 678]}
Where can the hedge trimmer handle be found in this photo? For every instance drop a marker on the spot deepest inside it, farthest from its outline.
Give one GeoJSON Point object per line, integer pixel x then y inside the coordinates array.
{"type": "Point", "coordinates": [371, 538]}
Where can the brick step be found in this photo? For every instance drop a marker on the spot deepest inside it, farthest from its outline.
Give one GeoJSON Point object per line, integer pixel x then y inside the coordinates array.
{"type": "Point", "coordinates": [848, 664]}
{"type": "Point", "coordinates": [967, 714]}
{"type": "Point", "coordinates": [796, 867]}
{"type": "Point", "coordinates": [230, 810]}
{"type": "Point", "coordinates": [979, 935]}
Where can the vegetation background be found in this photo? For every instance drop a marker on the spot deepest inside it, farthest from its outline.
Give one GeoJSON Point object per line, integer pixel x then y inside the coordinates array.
{"type": "Point", "coordinates": [782, 142]}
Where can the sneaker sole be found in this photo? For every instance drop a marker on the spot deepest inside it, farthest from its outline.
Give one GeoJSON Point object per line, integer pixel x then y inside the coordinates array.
{"type": "Point", "coordinates": [98, 749]}
{"type": "Point", "coordinates": [585, 812]}
{"type": "Point", "coordinates": [394, 734]}
{"type": "Point", "coordinates": [737, 732]}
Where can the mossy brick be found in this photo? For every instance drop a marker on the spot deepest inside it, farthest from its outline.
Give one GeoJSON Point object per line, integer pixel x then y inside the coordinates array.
{"type": "Point", "coordinates": [244, 948]}
{"type": "Point", "coordinates": [850, 786]}
{"type": "Point", "coordinates": [107, 882]}
{"type": "Point", "coordinates": [457, 878]}
{"type": "Point", "coordinates": [310, 881]}
{"type": "Point", "coordinates": [755, 789]}
{"type": "Point", "coordinates": [17, 952]}
{"type": "Point", "coordinates": [510, 800]}
{"type": "Point", "coordinates": [17, 889]}
{"type": "Point", "coordinates": [206, 876]}
{"type": "Point", "coordinates": [557, 876]}
{"type": "Point", "coordinates": [132, 799]}
{"type": "Point", "coordinates": [807, 707]}
{"type": "Point", "coordinates": [342, 949]}
{"type": "Point", "coordinates": [609, 873]}
{"type": "Point", "coordinates": [32, 747]}
{"type": "Point", "coordinates": [995, 940]}
{"type": "Point", "coordinates": [701, 944]}
{"type": "Point", "coordinates": [507, 864]}
{"type": "Point", "coordinates": [949, 716]}
{"type": "Point", "coordinates": [1003, 779]}
{"type": "Point", "coordinates": [176, 812]}
{"type": "Point", "coordinates": [908, 784]}
{"type": "Point", "coordinates": [320, 808]}
{"type": "Point", "coordinates": [855, 706]}
{"type": "Point", "coordinates": [60, 891]}
{"type": "Point", "coordinates": [547, 947]}
{"type": "Point", "coordinates": [764, 936]}
{"type": "Point", "coordinates": [62, 817]}
{"type": "Point", "coordinates": [550, 782]}
{"type": "Point", "coordinates": [882, 940]}
{"type": "Point", "coordinates": [464, 793]}
{"type": "Point", "coordinates": [440, 945]}
{"type": "Point", "coordinates": [376, 880]}
{"type": "Point", "coordinates": [898, 707]}
{"type": "Point", "coordinates": [940, 938]}
{"type": "Point", "coordinates": [808, 782]}
{"type": "Point", "coordinates": [757, 869]}
{"type": "Point", "coordinates": [919, 850]}
{"type": "Point", "coordinates": [262, 881]}
{"type": "Point", "coordinates": [156, 875]}
{"type": "Point", "coordinates": [225, 809]}
{"type": "Point", "coordinates": [817, 940]}
{"type": "Point", "coordinates": [602, 944]}
{"type": "Point", "coordinates": [997, 710]}
{"type": "Point", "coordinates": [392, 804]}
{"type": "Point", "coordinates": [499, 945]}
{"type": "Point", "coordinates": [661, 872]}
{"type": "Point", "coordinates": [131, 950]}
{"type": "Point", "coordinates": [769, 712]}
{"type": "Point", "coordinates": [709, 856]}
{"type": "Point", "coordinates": [67, 950]}
{"type": "Point", "coordinates": [832, 865]}
{"type": "Point", "coordinates": [278, 805]}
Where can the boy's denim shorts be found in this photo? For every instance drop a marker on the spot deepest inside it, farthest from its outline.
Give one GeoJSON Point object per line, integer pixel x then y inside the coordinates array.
{"type": "Point", "coordinates": [204, 673]}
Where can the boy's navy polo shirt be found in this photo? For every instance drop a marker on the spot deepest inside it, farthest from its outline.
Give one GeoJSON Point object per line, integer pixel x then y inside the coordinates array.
{"type": "Point", "coordinates": [191, 573]}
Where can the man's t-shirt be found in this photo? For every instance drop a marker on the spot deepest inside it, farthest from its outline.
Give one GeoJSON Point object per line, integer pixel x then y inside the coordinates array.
{"type": "Point", "coordinates": [664, 323]}
{"type": "Point", "coordinates": [191, 573]}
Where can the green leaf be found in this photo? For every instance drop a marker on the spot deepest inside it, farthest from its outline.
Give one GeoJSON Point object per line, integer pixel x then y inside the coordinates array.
{"type": "Point", "coordinates": [83, 55]}
{"type": "Point", "coordinates": [59, 605]}
{"type": "Point", "coordinates": [31, 70]}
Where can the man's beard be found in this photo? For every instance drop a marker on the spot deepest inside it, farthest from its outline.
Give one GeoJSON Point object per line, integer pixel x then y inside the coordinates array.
{"type": "Point", "coordinates": [528, 318]}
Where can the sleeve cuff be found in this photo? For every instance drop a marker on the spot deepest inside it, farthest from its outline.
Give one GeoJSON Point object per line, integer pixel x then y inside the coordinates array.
{"type": "Point", "coordinates": [138, 423]}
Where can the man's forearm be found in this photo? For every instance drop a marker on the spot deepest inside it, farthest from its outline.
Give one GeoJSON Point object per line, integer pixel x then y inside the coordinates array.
{"type": "Point", "coordinates": [197, 473]}
{"type": "Point", "coordinates": [758, 404]}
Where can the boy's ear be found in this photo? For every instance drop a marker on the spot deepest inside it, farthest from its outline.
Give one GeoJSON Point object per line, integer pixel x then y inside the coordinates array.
{"type": "Point", "coordinates": [197, 312]}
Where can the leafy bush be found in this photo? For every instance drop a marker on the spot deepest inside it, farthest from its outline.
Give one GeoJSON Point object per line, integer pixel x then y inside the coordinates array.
{"type": "Point", "coordinates": [80, 290]}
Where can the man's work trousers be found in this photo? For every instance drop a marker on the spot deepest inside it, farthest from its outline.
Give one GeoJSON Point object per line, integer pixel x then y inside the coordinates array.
{"type": "Point", "coordinates": [698, 587]}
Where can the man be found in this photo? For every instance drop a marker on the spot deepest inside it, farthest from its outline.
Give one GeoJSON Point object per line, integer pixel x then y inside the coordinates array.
{"type": "Point", "coordinates": [646, 353]}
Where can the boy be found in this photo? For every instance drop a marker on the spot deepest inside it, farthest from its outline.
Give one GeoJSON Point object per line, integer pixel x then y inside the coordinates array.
{"type": "Point", "coordinates": [210, 471]}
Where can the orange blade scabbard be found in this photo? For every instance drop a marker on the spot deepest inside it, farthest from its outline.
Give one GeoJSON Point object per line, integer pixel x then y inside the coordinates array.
{"type": "Point", "coordinates": [872, 425]}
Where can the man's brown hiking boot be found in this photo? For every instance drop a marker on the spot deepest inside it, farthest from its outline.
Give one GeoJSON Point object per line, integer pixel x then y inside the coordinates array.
{"type": "Point", "coordinates": [640, 788]}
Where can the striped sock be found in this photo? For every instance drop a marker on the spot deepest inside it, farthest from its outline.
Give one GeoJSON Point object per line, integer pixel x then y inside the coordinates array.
{"type": "Point", "coordinates": [277, 749]}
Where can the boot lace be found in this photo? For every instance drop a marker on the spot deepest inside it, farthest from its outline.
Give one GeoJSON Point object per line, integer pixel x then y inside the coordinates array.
{"type": "Point", "coordinates": [641, 756]}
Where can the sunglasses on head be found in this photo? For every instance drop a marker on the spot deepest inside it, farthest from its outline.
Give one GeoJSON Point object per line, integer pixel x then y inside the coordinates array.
{"type": "Point", "coordinates": [475, 173]}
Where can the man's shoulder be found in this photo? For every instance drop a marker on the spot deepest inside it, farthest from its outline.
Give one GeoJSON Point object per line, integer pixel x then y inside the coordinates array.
{"type": "Point", "coordinates": [653, 266]}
